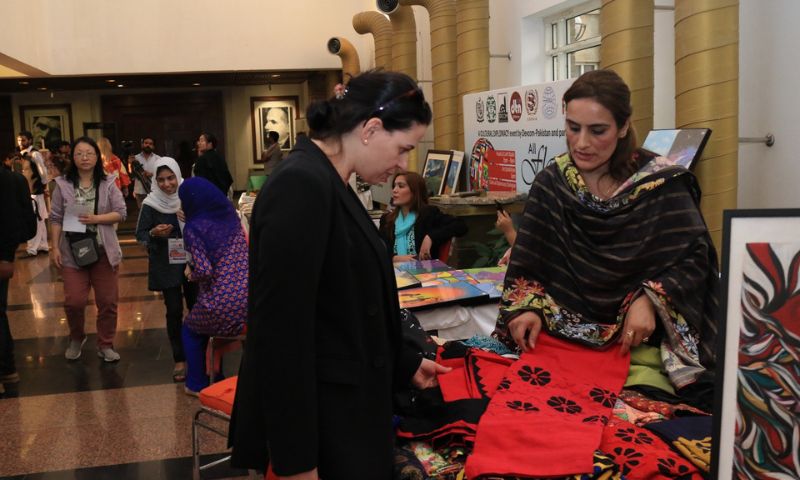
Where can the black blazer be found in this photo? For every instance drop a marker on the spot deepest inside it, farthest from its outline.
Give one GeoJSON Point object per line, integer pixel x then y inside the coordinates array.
{"type": "Point", "coordinates": [324, 350]}
{"type": "Point", "coordinates": [211, 166]}
{"type": "Point", "coordinates": [430, 221]}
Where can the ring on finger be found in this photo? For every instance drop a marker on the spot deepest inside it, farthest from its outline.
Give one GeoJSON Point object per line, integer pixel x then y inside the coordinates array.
{"type": "Point", "coordinates": [629, 333]}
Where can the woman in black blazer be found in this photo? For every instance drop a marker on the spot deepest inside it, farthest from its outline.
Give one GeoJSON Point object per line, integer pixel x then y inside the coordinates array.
{"type": "Point", "coordinates": [414, 229]}
{"type": "Point", "coordinates": [324, 351]}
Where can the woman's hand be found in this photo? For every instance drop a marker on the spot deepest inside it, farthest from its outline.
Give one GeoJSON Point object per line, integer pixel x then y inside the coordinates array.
{"type": "Point", "coordinates": [161, 230]}
{"type": "Point", "coordinates": [181, 215]}
{"type": "Point", "coordinates": [88, 219]}
{"type": "Point", "coordinates": [425, 248]}
{"type": "Point", "coordinates": [503, 222]}
{"type": "Point", "coordinates": [505, 258]}
{"type": "Point", "coordinates": [309, 475]}
{"type": "Point", "coordinates": [402, 258]}
{"type": "Point", "coordinates": [640, 323]}
{"type": "Point", "coordinates": [525, 329]}
{"type": "Point", "coordinates": [426, 374]}
{"type": "Point", "coordinates": [55, 257]}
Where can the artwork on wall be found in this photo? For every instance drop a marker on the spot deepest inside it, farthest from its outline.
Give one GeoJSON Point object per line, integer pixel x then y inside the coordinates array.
{"type": "Point", "coordinates": [47, 123]}
{"type": "Point", "coordinates": [758, 379]}
{"type": "Point", "coordinates": [435, 170]}
{"type": "Point", "coordinates": [273, 114]}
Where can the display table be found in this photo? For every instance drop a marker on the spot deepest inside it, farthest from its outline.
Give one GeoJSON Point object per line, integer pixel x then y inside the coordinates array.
{"type": "Point", "coordinates": [480, 214]}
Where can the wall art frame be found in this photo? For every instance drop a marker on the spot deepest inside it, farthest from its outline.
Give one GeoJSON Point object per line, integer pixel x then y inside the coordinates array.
{"type": "Point", "coordinates": [273, 113]}
{"type": "Point", "coordinates": [47, 123]}
{"type": "Point", "coordinates": [757, 250]}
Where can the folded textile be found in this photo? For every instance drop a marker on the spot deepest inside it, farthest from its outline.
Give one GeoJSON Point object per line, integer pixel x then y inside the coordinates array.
{"type": "Point", "coordinates": [547, 416]}
{"type": "Point", "coordinates": [690, 436]}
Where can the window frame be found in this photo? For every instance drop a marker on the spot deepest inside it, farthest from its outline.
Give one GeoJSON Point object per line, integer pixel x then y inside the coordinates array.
{"type": "Point", "coordinates": [556, 28]}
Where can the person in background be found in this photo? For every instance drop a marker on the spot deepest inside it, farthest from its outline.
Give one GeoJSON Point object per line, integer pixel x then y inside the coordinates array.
{"type": "Point", "coordinates": [158, 224]}
{"type": "Point", "coordinates": [612, 248]}
{"type": "Point", "coordinates": [210, 164]}
{"type": "Point", "coordinates": [25, 144]}
{"type": "Point", "coordinates": [38, 243]}
{"type": "Point", "coordinates": [113, 166]}
{"type": "Point", "coordinates": [9, 160]}
{"type": "Point", "coordinates": [84, 184]}
{"type": "Point", "coordinates": [415, 230]}
{"type": "Point", "coordinates": [215, 239]}
{"type": "Point", "coordinates": [324, 351]}
{"type": "Point", "coordinates": [17, 225]}
{"type": "Point", "coordinates": [147, 159]}
{"type": "Point", "coordinates": [272, 155]}
{"type": "Point", "coordinates": [506, 226]}
{"type": "Point", "coordinates": [65, 149]}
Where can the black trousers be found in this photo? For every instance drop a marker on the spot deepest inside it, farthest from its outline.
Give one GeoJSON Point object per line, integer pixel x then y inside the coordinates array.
{"type": "Point", "coordinates": [173, 300]}
{"type": "Point", "coordinates": [7, 364]}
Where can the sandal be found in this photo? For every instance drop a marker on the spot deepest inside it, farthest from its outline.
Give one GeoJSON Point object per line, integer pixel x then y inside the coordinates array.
{"type": "Point", "coordinates": [179, 375]}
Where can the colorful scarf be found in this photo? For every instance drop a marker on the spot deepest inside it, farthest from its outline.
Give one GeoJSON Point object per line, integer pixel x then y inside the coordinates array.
{"type": "Point", "coordinates": [404, 241]}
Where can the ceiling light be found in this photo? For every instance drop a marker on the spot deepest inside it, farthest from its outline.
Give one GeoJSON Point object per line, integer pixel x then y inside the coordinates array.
{"type": "Point", "coordinates": [110, 80]}
{"type": "Point", "coordinates": [42, 88]}
{"type": "Point", "coordinates": [120, 85]}
{"type": "Point", "coordinates": [196, 84]}
{"type": "Point", "coordinates": [23, 82]}
{"type": "Point", "coordinates": [276, 75]}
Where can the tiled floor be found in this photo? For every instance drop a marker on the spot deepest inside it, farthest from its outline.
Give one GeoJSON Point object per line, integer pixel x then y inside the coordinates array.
{"type": "Point", "coordinates": [88, 419]}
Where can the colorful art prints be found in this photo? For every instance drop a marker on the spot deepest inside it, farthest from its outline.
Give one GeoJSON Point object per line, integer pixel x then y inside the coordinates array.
{"type": "Point", "coordinates": [435, 170]}
{"type": "Point", "coordinates": [416, 267]}
{"type": "Point", "coordinates": [405, 279]}
{"type": "Point", "coordinates": [757, 394]}
{"type": "Point", "coordinates": [768, 394]}
{"type": "Point", "coordinates": [444, 278]}
{"type": "Point", "coordinates": [683, 146]}
{"type": "Point", "coordinates": [490, 279]}
{"type": "Point", "coordinates": [419, 298]}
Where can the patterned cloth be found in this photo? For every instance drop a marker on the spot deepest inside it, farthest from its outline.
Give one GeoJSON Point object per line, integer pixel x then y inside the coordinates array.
{"type": "Point", "coordinates": [216, 241]}
{"type": "Point", "coordinates": [547, 416]}
{"type": "Point", "coordinates": [221, 307]}
{"type": "Point", "coordinates": [580, 261]}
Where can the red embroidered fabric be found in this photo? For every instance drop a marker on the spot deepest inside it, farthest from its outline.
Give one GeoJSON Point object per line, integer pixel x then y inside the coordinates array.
{"type": "Point", "coordinates": [548, 413]}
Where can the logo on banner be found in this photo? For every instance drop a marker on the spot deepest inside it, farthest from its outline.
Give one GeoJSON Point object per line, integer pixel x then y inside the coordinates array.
{"type": "Point", "coordinates": [491, 109]}
{"type": "Point", "coordinates": [549, 103]}
{"type": "Point", "coordinates": [502, 116]}
{"type": "Point", "coordinates": [479, 109]}
{"type": "Point", "coordinates": [532, 101]}
{"type": "Point", "coordinates": [515, 106]}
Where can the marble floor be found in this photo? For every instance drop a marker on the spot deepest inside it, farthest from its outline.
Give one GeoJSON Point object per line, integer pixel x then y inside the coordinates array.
{"type": "Point", "coordinates": [88, 419]}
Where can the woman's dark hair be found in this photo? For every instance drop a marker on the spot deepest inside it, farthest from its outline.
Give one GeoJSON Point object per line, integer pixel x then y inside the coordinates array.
{"type": "Point", "coordinates": [419, 199]}
{"type": "Point", "coordinates": [37, 186]}
{"type": "Point", "coordinates": [390, 96]}
{"type": "Point", "coordinates": [209, 138]}
{"type": "Point", "coordinates": [98, 174]}
{"type": "Point", "coordinates": [609, 90]}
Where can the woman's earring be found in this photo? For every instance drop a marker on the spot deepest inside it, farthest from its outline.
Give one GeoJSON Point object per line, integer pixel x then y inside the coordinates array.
{"type": "Point", "coordinates": [364, 141]}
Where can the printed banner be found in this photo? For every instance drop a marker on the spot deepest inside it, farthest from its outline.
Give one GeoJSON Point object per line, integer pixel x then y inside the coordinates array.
{"type": "Point", "coordinates": [511, 134]}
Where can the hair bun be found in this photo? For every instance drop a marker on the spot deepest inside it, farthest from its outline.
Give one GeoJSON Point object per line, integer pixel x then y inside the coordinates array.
{"type": "Point", "coordinates": [319, 115]}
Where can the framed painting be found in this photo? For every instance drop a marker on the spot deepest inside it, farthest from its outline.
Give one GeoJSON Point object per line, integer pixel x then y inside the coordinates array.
{"type": "Point", "coordinates": [757, 395]}
{"type": "Point", "coordinates": [684, 146]}
{"type": "Point", "coordinates": [47, 123]}
{"type": "Point", "coordinates": [276, 114]}
{"type": "Point", "coordinates": [453, 173]}
{"type": "Point", "coordinates": [435, 170]}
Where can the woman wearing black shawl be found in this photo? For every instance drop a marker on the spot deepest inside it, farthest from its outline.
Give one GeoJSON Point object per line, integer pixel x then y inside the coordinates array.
{"type": "Point", "coordinates": [612, 246]}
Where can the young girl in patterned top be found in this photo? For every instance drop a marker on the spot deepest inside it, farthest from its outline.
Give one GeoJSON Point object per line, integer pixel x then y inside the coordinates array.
{"type": "Point", "coordinates": [215, 240]}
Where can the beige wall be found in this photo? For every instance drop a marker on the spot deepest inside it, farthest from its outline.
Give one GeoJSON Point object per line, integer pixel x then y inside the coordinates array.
{"type": "Point", "coordinates": [74, 37]}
